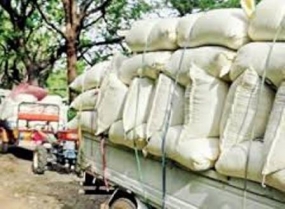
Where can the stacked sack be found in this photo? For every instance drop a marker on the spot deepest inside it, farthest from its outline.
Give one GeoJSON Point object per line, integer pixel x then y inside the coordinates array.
{"type": "Point", "coordinates": [260, 139]}
{"type": "Point", "coordinates": [178, 83]}
{"type": "Point", "coordinates": [90, 85]}
{"type": "Point", "coordinates": [195, 82]}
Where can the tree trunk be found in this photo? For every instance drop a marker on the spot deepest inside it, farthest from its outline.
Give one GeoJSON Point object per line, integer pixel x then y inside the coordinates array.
{"type": "Point", "coordinates": [71, 65]}
{"type": "Point", "coordinates": [33, 75]}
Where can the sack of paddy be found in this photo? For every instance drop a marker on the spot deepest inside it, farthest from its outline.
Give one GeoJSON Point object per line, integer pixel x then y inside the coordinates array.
{"type": "Point", "coordinates": [184, 28]}
{"type": "Point", "coordinates": [274, 141]}
{"type": "Point", "coordinates": [205, 96]}
{"type": "Point", "coordinates": [52, 99]}
{"type": "Point", "coordinates": [266, 20]}
{"type": "Point", "coordinates": [86, 100]}
{"type": "Point", "coordinates": [87, 121]}
{"type": "Point", "coordinates": [258, 57]}
{"type": "Point", "coordinates": [91, 78]}
{"type": "Point", "coordinates": [170, 137]}
{"type": "Point", "coordinates": [137, 104]}
{"type": "Point", "coordinates": [240, 117]}
{"type": "Point", "coordinates": [165, 94]}
{"type": "Point", "coordinates": [228, 164]}
{"type": "Point", "coordinates": [153, 35]}
{"type": "Point", "coordinates": [217, 62]}
{"type": "Point", "coordinates": [73, 123]}
{"type": "Point", "coordinates": [9, 106]}
{"type": "Point", "coordinates": [222, 27]}
{"type": "Point", "coordinates": [197, 154]}
{"type": "Point", "coordinates": [134, 138]}
{"type": "Point", "coordinates": [110, 103]}
{"type": "Point", "coordinates": [147, 64]}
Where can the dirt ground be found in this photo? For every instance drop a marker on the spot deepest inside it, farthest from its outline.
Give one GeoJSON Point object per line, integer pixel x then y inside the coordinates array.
{"type": "Point", "coordinates": [21, 189]}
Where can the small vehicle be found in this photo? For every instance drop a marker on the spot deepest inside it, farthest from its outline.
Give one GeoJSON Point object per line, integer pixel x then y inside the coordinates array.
{"type": "Point", "coordinates": [58, 154]}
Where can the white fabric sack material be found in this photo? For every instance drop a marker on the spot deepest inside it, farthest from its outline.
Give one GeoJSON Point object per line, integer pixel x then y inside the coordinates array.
{"type": "Point", "coordinates": [110, 103]}
{"type": "Point", "coordinates": [204, 104]}
{"type": "Point", "coordinates": [160, 109]}
{"type": "Point", "coordinates": [238, 118]}
{"type": "Point", "coordinates": [232, 162]}
{"type": "Point", "coordinates": [138, 102]}
{"type": "Point", "coordinates": [265, 29]}
{"type": "Point", "coordinates": [184, 28]}
{"type": "Point", "coordinates": [154, 144]}
{"type": "Point", "coordinates": [222, 27]}
{"type": "Point", "coordinates": [91, 78]}
{"type": "Point", "coordinates": [86, 100]}
{"type": "Point", "coordinates": [87, 121]}
{"type": "Point", "coordinates": [274, 136]}
{"type": "Point", "coordinates": [52, 99]}
{"type": "Point", "coordinates": [228, 164]}
{"type": "Point", "coordinates": [135, 137]}
{"type": "Point", "coordinates": [254, 55]}
{"type": "Point", "coordinates": [153, 35]}
{"type": "Point", "coordinates": [9, 107]}
{"type": "Point", "coordinates": [197, 154]}
{"type": "Point", "coordinates": [217, 62]}
{"type": "Point", "coordinates": [73, 123]}
{"type": "Point", "coordinates": [148, 64]}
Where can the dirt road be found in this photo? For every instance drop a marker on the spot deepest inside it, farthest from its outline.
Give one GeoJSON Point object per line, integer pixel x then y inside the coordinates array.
{"type": "Point", "coordinates": [21, 189]}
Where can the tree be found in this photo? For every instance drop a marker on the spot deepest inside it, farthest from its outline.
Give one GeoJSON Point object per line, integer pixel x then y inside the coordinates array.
{"type": "Point", "coordinates": [27, 53]}
{"type": "Point", "coordinates": [73, 21]}
{"type": "Point", "coordinates": [184, 7]}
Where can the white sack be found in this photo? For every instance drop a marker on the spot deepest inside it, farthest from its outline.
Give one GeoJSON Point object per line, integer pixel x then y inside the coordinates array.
{"type": "Point", "coordinates": [274, 136]}
{"type": "Point", "coordinates": [204, 104]}
{"type": "Point", "coordinates": [184, 28]}
{"type": "Point", "coordinates": [138, 102]}
{"type": "Point", "coordinates": [154, 144]}
{"type": "Point", "coordinates": [232, 162]}
{"type": "Point", "coordinates": [153, 35]}
{"type": "Point", "coordinates": [110, 103]}
{"type": "Point", "coordinates": [216, 61]}
{"type": "Point", "coordinates": [228, 164]}
{"type": "Point", "coordinates": [266, 19]}
{"type": "Point", "coordinates": [73, 123]}
{"type": "Point", "coordinates": [239, 111]}
{"type": "Point", "coordinates": [148, 64]}
{"type": "Point", "coordinates": [254, 55]}
{"type": "Point", "coordinates": [87, 121]}
{"type": "Point", "coordinates": [137, 36]}
{"type": "Point", "coordinates": [197, 154]}
{"type": "Point", "coordinates": [161, 105]}
{"type": "Point", "coordinates": [86, 100]}
{"type": "Point", "coordinates": [52, 99]}
{"type": "Point", "coordinates": [91, 78]}
{"type": "Point", "coordinates": [9, 106]}
{"type": "Point", "coordinates": [223, 27]}
{"type": "Point", "coordinates": [135, 137]}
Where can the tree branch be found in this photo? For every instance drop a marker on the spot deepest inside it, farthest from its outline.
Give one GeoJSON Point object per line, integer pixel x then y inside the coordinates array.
{"type": "Point", "coordinates": [101, 7]}
{"type": "Point", "coordinates": [46, 20]}
{"type": "Point", "coordinates": [92, 22]}
{"type": "Point", "coordinates": [100, 43]}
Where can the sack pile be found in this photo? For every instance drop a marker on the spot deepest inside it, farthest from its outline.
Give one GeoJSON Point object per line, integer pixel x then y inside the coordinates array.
{"type": "Point", "coordinates": [195, 83]}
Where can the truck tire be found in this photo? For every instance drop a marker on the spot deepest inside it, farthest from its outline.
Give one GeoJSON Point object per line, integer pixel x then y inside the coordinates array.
{"type": "Point", "coordinates": [123, 203]}
{"type": "Point", "coordinates": [39, 160]}
{"type": "Point", "coordinates": [4, 147]}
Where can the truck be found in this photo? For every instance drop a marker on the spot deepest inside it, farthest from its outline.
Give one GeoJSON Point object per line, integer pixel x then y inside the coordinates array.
{"type": "Point", "coordinates": [116, 168]}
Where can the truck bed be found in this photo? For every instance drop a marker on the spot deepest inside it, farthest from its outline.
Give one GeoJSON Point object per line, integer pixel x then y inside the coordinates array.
{"type": "Point", "coordinates": [185, 189]}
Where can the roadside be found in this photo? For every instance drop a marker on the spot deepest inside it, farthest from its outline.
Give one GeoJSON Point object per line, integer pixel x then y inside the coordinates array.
{"type": "Point", "coordinates": [21, 189]}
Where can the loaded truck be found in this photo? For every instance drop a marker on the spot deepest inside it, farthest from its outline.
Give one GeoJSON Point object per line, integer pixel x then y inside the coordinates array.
{"type": "Point", "coordinates": [193, 117]}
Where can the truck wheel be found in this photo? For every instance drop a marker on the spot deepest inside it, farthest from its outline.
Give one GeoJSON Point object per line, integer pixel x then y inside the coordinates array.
{"type": "Point", "coordinates": [39, 160]}
{"type": "Point", "coordinates": [4, 147]}
{"type": "Point", "coordinates": [123, 203]}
